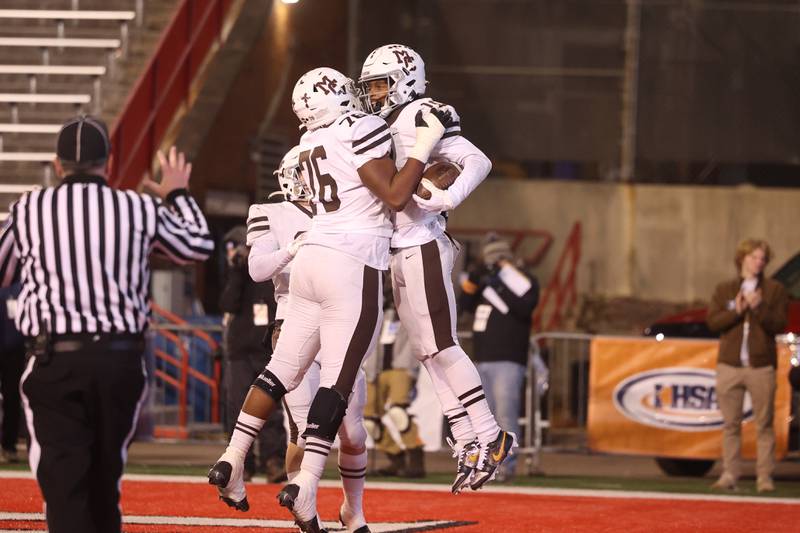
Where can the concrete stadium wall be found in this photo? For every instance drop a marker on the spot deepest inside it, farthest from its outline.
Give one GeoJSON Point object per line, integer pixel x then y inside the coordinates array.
{"type": "Point", "coordinates": [654, 242]}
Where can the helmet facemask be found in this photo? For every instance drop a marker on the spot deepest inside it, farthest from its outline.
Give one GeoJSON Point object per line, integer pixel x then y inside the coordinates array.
{"type": "Point", "coordinates": [390, 100]}
{"type": "Point", "coordinates": [403, 71]}
{"type": "Point", "coordinates": [290, 181]}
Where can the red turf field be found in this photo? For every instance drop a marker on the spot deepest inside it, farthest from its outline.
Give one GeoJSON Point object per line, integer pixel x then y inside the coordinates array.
{"type": "Point", "coordinates": [169, 506]}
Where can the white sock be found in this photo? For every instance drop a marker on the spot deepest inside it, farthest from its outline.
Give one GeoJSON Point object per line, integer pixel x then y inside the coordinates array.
{"type": "Point", "coordinates": [244, 432]}
{"type": "Point", "coordinates": [353, 471]}
{"type": "Point", "coordinates": [315, 456]}
{"type": "Point", "coordinates": [465, 382]}
{"type": "Point", "coordinates": [457, 417]}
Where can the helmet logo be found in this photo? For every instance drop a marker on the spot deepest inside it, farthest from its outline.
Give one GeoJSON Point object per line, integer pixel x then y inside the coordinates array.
{"type": "Point", "coordinates": [321, 85]}
{"type": "Point", "coordinates": [305, 98]}
{"type": "Point", "coordinates": [405, 57]}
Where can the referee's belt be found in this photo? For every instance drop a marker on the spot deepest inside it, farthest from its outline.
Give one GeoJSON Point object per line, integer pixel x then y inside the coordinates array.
{"type": "Point", "coordinates": [113, 342]}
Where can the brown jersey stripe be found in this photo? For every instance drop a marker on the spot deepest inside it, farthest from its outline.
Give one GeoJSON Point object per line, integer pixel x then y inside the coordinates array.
{"type": "Point", "coordinates": [387, 137]}
{"type": "Point", "coordinates": [371, 134]}
{"type": "Point", "coordinates": [365, 330]}
{"type": "Point", "coordinates": [436, 296]}
{"type": "Point", "coordinates": [294, 431]}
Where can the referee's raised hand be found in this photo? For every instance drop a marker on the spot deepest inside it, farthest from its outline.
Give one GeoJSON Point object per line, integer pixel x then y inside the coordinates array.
{"type": "Point", "coordinates": [175, 172]}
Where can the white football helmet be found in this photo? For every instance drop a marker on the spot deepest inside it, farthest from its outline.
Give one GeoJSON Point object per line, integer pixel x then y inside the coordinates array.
{"type": "Point", "coordinates": [321, 95]}
{"type": "Point", "coordinates": [289, 179]}
{"type": "Point", "coordinates": [404, 72]}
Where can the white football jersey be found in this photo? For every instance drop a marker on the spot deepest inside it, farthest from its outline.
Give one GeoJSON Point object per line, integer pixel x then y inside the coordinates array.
{"type": "Point", "coordinates": [347, 215]}
{"type": "Point", "coordinates": [286, 220]}
{"type": "Point", "coordinates": [414, 225]}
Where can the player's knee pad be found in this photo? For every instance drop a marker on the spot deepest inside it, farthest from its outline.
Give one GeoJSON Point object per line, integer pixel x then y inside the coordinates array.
{"type": "Point", "coordinates": [399, 417]}
{"type": "Point", "coordinates": [325, 414]}
{"type": "Point", "coordinates": [450, 356]}
{"type": "Point", "coordinates": [374, 428]}
{"type": "Point", "coordinates": [269, 383]}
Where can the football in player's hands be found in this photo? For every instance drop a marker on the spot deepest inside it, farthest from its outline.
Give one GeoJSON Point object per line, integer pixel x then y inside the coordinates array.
{"type": "Point", "coordinates": [442, 175]}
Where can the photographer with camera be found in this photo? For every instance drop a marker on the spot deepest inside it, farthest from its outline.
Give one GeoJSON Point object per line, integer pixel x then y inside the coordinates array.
{"type": "Point", "coordinates": [502, 297]}
{"type": "Point", "coordinates": [249, 307]}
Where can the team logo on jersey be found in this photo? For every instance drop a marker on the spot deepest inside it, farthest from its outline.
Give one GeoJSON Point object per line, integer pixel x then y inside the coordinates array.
{"type": "Point", "coordinates": [678, 398]}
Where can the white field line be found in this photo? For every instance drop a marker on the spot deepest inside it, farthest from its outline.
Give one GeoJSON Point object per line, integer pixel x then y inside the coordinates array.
{"type": "Point", "coordinates": [432, 487]}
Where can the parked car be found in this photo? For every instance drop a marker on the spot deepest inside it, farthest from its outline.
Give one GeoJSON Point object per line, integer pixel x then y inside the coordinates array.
{"type": "Point", "coordinates": [692, 324]}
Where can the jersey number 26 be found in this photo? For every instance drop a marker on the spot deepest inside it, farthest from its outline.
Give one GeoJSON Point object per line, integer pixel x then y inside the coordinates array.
{"type": "Point", "coordinates": [318, 181]}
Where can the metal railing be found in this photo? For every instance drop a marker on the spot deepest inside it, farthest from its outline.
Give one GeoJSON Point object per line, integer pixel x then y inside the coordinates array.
{"type": "Point", "coordinates": [556, 397]}
{"type": "Point", "coordinates": [163, 88]}
{"type": "Point", "coordinates": [555, 402]}
{"type": "Point", "coordinates": [174, 347]}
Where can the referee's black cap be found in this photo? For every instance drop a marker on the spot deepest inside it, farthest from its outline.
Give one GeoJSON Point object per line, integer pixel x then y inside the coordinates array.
{"type": "Point", "coordinates": [83, 139]}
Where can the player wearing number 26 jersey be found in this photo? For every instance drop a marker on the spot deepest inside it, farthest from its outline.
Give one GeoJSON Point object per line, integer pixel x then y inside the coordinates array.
{"type": "Point", "coordinates": [335, 294]}
{"type": "Point", "coordinates": [348, 217]}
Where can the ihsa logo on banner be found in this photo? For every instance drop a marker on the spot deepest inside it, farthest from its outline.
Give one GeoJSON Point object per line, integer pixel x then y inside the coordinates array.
{"type": "Point", "coordinates": [679, 398]}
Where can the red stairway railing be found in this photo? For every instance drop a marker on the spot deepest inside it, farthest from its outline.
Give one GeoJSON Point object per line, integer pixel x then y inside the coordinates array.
{"type": "Point", "coordinates": [163, 88]}
{"type": "Point", "coordinates": [185, 371]}
{"type": "Point", "coordinates": [561, 292]}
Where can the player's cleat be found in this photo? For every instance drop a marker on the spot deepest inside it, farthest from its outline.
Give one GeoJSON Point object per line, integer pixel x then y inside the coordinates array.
{"type": "Point", "coordinates": [227, 475]}
{"type": "Point", "coordinates": [492, 456]}
{"type": "Point", "coordinates": [355, 523]}
{"type": "Point", "coordinates": [467, 462]}
{"type": "Point", "coordinates": [301, 500]}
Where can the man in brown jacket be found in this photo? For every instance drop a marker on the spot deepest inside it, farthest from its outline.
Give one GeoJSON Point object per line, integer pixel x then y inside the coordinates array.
{"type": "Point", "coordinates": [748, 312]}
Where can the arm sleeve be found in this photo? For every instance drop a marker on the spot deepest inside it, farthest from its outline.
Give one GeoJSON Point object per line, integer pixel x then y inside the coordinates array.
{"type": "Point", "coordinates": [257, 222]}
{"type": "Point", "coordinates": [266, 258]}
{"type": "Point", "coordinates": [370, 139]}
{"type": "Point", "coordinates": [772, 314]}
{"type": "Point", "coordinates": [476, 166]}
{"type": "Point", "coordinates": [8, 251]}
{"type": "Point", "coordinates": [181, 229]}
{"type": "Point", "coordinates": [720, 318]}
{"type": "Point", "coordinates": [522, 304]}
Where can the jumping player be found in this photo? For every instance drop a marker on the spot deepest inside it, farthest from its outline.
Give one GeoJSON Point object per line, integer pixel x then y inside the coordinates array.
{"type": "Point", "coordinates": [335, 304]}
{"type": "Point", "coordinates": [392, 85]}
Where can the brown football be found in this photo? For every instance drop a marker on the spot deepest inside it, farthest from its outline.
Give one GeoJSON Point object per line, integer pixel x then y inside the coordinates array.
{"type": "Point", "coordinates": [442, 174]}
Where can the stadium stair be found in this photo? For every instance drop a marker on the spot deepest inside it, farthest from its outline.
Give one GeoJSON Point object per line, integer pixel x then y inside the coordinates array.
{"type": "Point", "coordinates": [107, 92]}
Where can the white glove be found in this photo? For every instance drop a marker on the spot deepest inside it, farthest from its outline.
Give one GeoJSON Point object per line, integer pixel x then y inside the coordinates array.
{"type": "Point", "coordinates": [431, 125]}
{"type": "Point", "coordinates": [295, 245]}
{"type": "Point", "coordinates": [439, 201]}
{"type": "Point", "coordinates": [257, 222]}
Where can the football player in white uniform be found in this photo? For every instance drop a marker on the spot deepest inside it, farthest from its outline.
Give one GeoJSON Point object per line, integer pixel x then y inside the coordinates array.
{"type": "Point", "coordinates": [335, 295]}
{"type": "Point", "coordinates": [271, 228]}
{"type": "Point", "coordinates": [392, 85]}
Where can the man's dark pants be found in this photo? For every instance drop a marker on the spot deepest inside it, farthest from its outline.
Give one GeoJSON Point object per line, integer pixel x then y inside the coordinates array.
{"type": "Point", "coordinates": [81, 407]}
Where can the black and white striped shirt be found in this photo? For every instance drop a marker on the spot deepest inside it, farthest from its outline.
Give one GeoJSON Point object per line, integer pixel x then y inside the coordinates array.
{"type": "Point", "coordinates": [82, 253]}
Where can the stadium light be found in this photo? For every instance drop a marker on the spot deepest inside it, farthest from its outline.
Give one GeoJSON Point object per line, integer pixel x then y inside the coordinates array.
{"type": "Point", "coordinates": [290, 1]}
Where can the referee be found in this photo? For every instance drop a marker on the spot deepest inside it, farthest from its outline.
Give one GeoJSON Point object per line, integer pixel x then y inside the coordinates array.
{"type": "Point", "coordinates": [81, 250]}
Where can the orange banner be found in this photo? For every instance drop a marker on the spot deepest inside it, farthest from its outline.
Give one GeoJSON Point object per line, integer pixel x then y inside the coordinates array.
{"type": "Point", "coordinates": [659, 398]}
